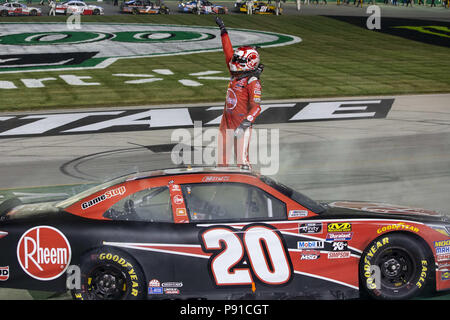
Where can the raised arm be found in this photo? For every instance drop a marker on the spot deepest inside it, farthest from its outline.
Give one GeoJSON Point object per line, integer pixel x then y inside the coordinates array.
{"type": "Point", "coordinates": [226, 43]}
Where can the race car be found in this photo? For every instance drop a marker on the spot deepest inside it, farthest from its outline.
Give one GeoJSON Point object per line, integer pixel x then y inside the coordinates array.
{"type": "Point", "coordinates": [144, 7]}
{"type": "Point", "coordinates": [78, 7]}
{"type": "Point", "coordinates": [18, 9]}
{"type": "Point", "coordinates": [220, 233]}
{"type": "Point", "coordinates": [259, 7]}
{"type": "Point", "coordinates": [206, 7]}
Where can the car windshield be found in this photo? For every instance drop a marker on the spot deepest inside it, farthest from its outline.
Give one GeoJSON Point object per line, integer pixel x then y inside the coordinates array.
{"type": "Point", "coordinates": [294, 195]}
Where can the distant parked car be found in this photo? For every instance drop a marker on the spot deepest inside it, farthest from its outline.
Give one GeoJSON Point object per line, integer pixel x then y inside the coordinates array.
{"type": "Point", "coordinates": [259, 7]}
{"type": "Point", "coordinates": [206, 7]}
{"type": "Point", "coordinates": [18, 9]}
{"type": "Point", "coordinates": [144, 7]}
{"type": "Point", "coordinates": [78, 7]}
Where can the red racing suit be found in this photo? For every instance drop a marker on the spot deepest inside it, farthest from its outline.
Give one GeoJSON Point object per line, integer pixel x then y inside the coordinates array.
{"type": "Point", "coordinates": [242, 103]}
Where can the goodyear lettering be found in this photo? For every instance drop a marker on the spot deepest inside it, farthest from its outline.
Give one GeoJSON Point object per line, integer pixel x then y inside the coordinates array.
{"type": "Point", "coordinates": [398, 226]}
{"type": "Point", "coordinates": [423, 274]}
{"type": "Point", "coordinates": [370, 281]}
{"type": "Point", "coordinates": [124, 263]}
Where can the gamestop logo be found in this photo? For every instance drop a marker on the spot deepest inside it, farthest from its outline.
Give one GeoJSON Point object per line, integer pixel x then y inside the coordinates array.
{"type": "Point", "coordinates": [107, 195]}
{"type": "Point", "coordinates": [44, 253]}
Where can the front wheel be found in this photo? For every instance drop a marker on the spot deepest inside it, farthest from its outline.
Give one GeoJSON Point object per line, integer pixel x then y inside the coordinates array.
{"type": "Point", "coordinates": [109, 274]}
{"type": "Point", "coordinates": [395, 267]}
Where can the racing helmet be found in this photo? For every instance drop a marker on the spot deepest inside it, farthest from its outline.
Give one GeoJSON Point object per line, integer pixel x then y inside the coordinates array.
{"type": "Point", "coordinates": [244, 59]}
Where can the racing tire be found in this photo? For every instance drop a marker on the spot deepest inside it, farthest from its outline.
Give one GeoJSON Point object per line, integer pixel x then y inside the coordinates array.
{"type": "Point", "coordinates": [395, 266]}
{"type": "Point", "coordinates": [4, 13]}
{"type": "Point", "coordinates": [33, 13]}
{"type": "Point", "coordinates": [96, 12]}
{"type": "Point", "coordinates": [110, 274]}
{"type": "Point", "coordinates": [135, 11]}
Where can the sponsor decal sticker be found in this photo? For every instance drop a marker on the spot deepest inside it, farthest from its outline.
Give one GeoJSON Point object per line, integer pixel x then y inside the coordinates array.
{"type": "Point", "coordinates": [4, 273]}
{"type": "Point", "coordinates": [107, 195]}
{"type": "Point", "coordinates": [443, 257]}
{"type": "Point", "coordinates": [171, 291]}
{"type": "Point", "coordinates": [181, 212]}
{"type": "Point", "coordinates": [178, 199]}
{"type": "Point", "coordinates": [44, 253]}
{"type": "Point", "coordinates": [314, 227]}
{"type": "Point", "coordinates": [340, 245]}
{"type": "Point", "coordinates": [173, 284]}
{"type": "Point", "coordinates": [215, 178]}
{"type": "Point", "coordinates": [339, 255]}
{"type": "Point", "coordinates": [442, 247]}
{"type": "Point", "coordinates": [297, 213]}
{"type": "Point", "coordinates": [310, 245]}
{"type": "Point", "coordinates": [445, 275]}
{"type": "Point", "coordinates": [339, 227]}
{"type": "Point", "coordinates": [154, 283]}
{"type": "Point", "coordinates": [339, 236]}
{"type": "Point", "coordinates": [155, 290]}
{"type": "Point", "coordinates": [310, 255]}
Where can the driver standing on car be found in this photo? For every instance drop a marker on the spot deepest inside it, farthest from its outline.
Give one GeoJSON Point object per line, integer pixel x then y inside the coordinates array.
{"type": "Point", "coordinates": [242, 104]}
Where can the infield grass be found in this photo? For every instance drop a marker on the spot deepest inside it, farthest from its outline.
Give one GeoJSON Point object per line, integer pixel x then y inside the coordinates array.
{"type": "Point", "coordinates": [334, 59]}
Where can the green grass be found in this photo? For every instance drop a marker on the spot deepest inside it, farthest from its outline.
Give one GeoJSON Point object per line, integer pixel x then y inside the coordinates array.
{"type": "Point", "coordinates": [334, 59]}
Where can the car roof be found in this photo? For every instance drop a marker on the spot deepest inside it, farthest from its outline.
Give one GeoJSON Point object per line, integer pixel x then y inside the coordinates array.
{"type": "Point", "coordinates": [153, 174]}
{"type": "Point", "coordinates": [189, 170]}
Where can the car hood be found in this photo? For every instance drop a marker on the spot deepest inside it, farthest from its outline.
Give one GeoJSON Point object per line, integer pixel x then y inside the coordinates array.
{"type": "Point", "coordinates": [366, 209]}
{"type": "Point", "coordinates": [20, 211]}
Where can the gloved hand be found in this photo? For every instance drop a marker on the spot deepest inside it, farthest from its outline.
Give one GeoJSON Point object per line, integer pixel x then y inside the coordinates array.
{"type": "Point", "coordinates": [242, 127]}
{"type": "Point", "coordinates": [221, 25]}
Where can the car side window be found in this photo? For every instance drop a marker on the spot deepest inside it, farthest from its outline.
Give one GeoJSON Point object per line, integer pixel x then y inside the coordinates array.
{"type": "Point", "coordinates": [152, 205]}
{"type": "Point", "coordinates": [231, 202]}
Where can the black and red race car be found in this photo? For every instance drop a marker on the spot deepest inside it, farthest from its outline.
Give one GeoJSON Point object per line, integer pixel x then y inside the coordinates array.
{"type": "Point", "coordinates": [220, 233]}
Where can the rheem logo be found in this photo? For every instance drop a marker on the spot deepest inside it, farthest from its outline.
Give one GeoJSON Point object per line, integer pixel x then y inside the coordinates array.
{"type": "Point", "coordinates": [44, 253]}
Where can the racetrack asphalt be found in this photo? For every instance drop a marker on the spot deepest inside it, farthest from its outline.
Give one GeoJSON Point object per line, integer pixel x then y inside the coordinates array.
{"type": "Point", "coordinates": [402, 159]}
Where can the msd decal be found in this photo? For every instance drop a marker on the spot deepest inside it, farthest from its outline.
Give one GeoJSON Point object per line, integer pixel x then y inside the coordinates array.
{"type": "Point", "coordinates": [44, 253]}
{"type": "Point", "coordinates": [31, 46]}
{"type": "Point", "coordinates": [4, 273]}
{"type": "Point", "coordinates": [54, 124]}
